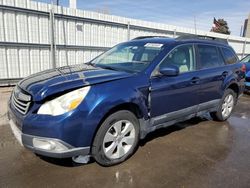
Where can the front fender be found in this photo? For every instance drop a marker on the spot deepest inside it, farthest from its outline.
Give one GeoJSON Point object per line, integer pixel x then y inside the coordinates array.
{"type": "Point", "coordinates": [103, 101]}
{"type": "Point", "coordinates": [102, 98]}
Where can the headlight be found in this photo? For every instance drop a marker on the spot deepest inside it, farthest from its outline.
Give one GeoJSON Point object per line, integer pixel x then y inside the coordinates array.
{"type": "Point", "coordinates": [64, 103]}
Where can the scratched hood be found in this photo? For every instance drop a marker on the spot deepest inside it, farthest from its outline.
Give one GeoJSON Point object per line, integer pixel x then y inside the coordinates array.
{"type": "Point", "coordinates": [53, 81]}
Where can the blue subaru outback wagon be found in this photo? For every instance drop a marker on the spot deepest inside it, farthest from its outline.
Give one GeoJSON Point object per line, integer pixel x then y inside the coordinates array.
{"type": "Point", "coordinates": [104, 107]}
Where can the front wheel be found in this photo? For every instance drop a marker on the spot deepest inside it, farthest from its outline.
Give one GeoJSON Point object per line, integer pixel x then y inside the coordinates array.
{"type": "Point", "coordinates": [226, 106]}
{"type": "Point", "coordinates": [116, 139]}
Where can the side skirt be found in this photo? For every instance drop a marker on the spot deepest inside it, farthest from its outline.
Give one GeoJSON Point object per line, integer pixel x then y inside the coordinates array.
{"type": "Point", "coordinates": [172, 118]}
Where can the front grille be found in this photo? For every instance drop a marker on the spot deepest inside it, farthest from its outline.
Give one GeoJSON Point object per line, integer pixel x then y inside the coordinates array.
{"type": "Point", "coordinates": [20, 101]}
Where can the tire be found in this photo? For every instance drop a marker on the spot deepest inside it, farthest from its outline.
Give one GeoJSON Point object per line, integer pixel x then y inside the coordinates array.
{"type": "Point", "coordinates": [227, 102]}
{"type": "Point", "coordinates": [117, 138]}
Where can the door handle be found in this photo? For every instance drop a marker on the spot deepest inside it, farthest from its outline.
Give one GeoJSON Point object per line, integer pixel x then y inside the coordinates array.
{"type": "Point", "coordinates": [195, 80]}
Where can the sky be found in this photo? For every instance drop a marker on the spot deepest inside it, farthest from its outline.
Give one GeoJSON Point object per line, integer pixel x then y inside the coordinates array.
{"type": "Point", "coordinates": [174, 12]}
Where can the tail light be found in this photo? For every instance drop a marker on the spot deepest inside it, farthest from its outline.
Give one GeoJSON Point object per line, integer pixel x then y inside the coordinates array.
{"type": "Point", "coordinates": [244, 68]}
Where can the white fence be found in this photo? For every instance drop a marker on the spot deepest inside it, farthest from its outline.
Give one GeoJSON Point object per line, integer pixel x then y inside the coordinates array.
{"type": "Point", "coordinates": [32, 39]}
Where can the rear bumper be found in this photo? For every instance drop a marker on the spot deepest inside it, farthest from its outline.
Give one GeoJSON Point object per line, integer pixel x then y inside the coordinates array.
{"type": "Point", "coordinates": [28, 142]}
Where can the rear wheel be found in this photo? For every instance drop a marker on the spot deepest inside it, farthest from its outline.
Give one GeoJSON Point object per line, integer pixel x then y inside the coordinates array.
{"type": "Point", "coordinates": [226, 106]}
{"type": "Point", "coordinates": [116, 139]}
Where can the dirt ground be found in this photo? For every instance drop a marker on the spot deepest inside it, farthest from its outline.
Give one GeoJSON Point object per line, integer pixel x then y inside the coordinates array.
{"type": "Point", "coordinates": [196, 153]}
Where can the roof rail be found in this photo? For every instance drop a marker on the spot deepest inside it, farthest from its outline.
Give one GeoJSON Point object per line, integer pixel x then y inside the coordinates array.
{"type": "Point", "coordinates": [145, 37]}
{"type": "Point", "coordinates": [201, 37]}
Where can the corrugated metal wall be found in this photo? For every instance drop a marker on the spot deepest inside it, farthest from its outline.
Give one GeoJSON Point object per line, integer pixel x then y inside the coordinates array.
{"type": "Point", "coordinates": [25, 36]}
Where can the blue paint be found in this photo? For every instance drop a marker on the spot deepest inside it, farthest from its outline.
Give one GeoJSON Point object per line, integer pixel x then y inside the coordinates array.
{"type": "Point", "coordinates": [111, 88]}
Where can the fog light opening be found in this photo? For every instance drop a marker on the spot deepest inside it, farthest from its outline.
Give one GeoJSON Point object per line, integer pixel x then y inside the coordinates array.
{"type": "Point", "coordinates": [49, 145]}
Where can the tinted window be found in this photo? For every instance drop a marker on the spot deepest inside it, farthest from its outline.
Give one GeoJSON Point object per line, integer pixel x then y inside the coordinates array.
{"type": "Point", "coordinates": [182, 57]}
{"type": "Point", "coordinates": [209, 56]}
{"type": "Point", "coordinates": [229, 56]}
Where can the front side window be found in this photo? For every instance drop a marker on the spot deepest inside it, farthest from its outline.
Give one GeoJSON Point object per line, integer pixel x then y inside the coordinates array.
{"type": "Point", "coordinates": [229, 56]}
{"type": "Point", "coordinates": [182, 57]}
{"type": "Point", "coordinates": [129, 57]}
{"type": "Point", "coordinates": [209, 56]}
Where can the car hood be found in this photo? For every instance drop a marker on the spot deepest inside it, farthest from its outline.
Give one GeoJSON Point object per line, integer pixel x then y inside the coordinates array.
{"type": "Point", "coordinates": [53, 81]}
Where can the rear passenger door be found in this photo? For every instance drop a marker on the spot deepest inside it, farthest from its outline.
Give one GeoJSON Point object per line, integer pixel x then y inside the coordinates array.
{"type": "Point", "coordinates": [212, 74]}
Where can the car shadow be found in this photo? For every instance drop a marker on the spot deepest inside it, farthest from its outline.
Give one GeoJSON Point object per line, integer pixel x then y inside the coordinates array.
{"type": "Point", "coordinates": [68, 162]}
{"type": "Point", "coordinates": [173, 128]}
{"type": "Point", "coordinates": [247, 93]}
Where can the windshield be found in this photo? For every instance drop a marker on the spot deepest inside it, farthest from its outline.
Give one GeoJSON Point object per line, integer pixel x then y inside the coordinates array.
{"type": "Point", "coordinates": [129, 57]}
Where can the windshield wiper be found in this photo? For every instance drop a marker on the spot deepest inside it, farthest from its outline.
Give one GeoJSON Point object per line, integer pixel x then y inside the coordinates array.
{"type": "Point", "coordinates": [106, 67]}
{"type": "Point", "coordinates": [91, 64]}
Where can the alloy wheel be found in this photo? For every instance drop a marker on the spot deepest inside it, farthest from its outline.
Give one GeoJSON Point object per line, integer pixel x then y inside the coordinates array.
{"type": "Point", "coordinates": [119, 139]}
{"type": "Point", "coordinates": [227, 106]}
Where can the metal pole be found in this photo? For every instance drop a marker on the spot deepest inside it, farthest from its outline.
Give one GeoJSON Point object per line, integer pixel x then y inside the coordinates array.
{"type": "Point", "coordinates": [65, 41]}
{"type": "Point", "coordinates": [241, 29]}
{"type": "Point", "coordinates": [128, 30]}
{"type": "Point", "coordinates": [52, 41]}
{"type": "Point", "coordinates": [174, 33]}
{"type": "Point", "coordinates": [195, 28]}
{"type": "Point", "coordinates": [5, 49]}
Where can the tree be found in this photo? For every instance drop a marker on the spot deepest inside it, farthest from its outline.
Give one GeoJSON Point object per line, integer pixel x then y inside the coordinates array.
{"type": "Point", "coordinates": [220, 26]}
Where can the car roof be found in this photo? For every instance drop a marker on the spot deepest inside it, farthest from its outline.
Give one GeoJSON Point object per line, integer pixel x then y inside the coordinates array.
{"type": "Point", "coordinates": [166, 40]}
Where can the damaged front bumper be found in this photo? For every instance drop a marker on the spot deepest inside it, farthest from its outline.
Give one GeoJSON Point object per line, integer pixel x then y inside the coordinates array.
{"type": "Point", "coordinates": [49, 147]}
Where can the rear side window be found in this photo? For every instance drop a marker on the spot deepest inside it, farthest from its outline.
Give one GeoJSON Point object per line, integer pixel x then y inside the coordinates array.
{"type": "Point", "coordinates": [229, 56]}
{"type": "Point", "coordinates": [209, 56]}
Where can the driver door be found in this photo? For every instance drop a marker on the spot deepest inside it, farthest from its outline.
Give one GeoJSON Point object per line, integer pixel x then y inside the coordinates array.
{"type": "Point", "coordinates": [174, 97]}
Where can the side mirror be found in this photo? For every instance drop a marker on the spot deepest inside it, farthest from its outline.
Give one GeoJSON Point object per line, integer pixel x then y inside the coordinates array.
{"type": "Point", "coordinates": [169, 71]}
